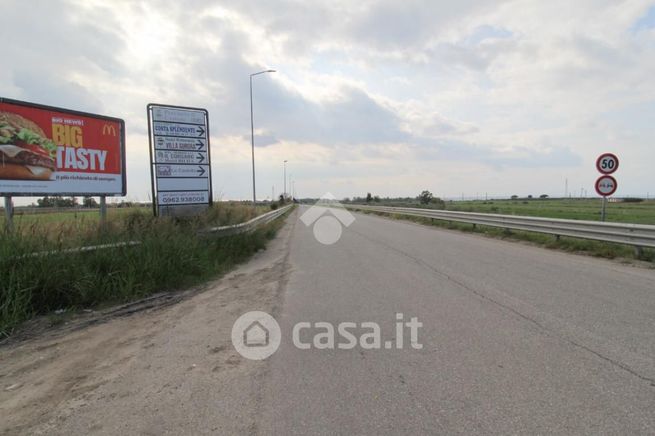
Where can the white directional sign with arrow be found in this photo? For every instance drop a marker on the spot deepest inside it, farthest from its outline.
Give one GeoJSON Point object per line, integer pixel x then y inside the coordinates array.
{"type": "Point", "coordinates": [180, 159]}
{"type": "Point", "coordinates": [184, 157]}
{"type": "Point", "coordinates": [178, 130]}
{"type": "Point", "coordinates": [183, 144]}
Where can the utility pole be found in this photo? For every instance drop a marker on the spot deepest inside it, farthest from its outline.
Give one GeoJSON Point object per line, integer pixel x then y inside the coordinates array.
{"type": "Point", "coordinates": [252, 136]}
{"type": "Point", "coordinates": [285, 180]}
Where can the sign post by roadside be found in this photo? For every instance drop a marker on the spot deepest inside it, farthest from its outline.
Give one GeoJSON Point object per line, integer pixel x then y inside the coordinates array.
{"type": "Point", "coordinates": [103, 210]}
{"type": "Point", "coordinates": [180, 160]}
{"type": "Point", "coordinates": [9, 215]}
{"type": "Point", "coordinates": [606, 185]}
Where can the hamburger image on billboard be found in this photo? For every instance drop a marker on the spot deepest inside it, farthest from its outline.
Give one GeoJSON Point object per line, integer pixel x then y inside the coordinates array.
{"type": "Point", "coordinates": [25, 151]}
{"type": "Point", "coordinates": [46, 150]}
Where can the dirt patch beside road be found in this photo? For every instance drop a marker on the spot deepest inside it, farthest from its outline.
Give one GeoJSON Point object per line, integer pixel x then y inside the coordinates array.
{"type": "Point", "coordinates": [170, 369]}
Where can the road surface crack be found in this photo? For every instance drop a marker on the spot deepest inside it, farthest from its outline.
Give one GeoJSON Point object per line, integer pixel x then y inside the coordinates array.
{"type": "Point", "coordinates": [544, 329]}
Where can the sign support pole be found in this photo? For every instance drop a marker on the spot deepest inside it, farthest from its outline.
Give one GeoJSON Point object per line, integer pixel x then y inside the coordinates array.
{"type": "Point", "coordinates": [103, 210]}
{"type": "Point", "coordinates": [603, 210]}
{"type": "Point", "coordinates": [9, 214]}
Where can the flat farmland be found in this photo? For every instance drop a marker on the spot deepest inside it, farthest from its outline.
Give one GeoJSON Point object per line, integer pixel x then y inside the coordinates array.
{"type": "Point", "coordinates": [578, 209]}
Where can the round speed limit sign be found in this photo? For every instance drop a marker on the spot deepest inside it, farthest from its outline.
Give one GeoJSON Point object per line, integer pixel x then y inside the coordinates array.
{"type": "Point", "coordinates": [607, 163]}
{"type": "Point", "coordinates": [606, 185]}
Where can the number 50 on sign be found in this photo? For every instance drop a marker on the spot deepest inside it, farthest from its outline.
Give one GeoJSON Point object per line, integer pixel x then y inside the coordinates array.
{"type": "Point", "coordinates": [607, 163]}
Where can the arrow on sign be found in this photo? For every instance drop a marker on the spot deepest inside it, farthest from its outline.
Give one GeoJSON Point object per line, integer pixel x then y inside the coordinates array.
{"type": "Point", "coordinates": [200, 157]}
{"type": "Point", "coordinates": [199, 144]}
{"type": "Point", "coordinates": [200, 131]}
{"type": "Point", "coordinates": [201, 171]}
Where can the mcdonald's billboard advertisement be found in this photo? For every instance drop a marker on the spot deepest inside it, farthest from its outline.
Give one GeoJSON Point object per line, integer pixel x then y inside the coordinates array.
{"type": "Point", "coordinates": [53, 151]}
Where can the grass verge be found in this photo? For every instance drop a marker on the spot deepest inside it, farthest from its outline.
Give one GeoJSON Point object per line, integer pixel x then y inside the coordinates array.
{"type": "Point", "coordinates": [171, 256]}
{"type": "Point", "coordinates": [606, 250]}
{"type": "Point", "coordinates": [642, 212]}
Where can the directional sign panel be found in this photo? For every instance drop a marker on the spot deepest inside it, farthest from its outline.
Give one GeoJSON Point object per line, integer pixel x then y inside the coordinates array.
{"type": "Point", "coordinates": [176, 130]}
{"type": "Point", "coordinates": [178, 115]}
{"type": "Point", "coordinates": [183, 184]}
{"type": "Point", "coordinates": [183, 157]}
{"type": "Point", "coordinates": [200, 171]}
{"type": "Point", "coordinates": [186, 144]}
{"type": "Point", "coordinates": [180, 159]}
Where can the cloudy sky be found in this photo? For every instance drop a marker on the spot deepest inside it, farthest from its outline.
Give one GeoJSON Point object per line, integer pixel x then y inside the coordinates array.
{"type": "Point", "coordinates": [392, 97]}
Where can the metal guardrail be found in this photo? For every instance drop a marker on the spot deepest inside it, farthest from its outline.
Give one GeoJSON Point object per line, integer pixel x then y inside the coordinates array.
{"type": "Point", "coordinates": [219, 231]}
{"type": "Point", "coordinates": [249, 225]}
{"type": "Point", "coordinates": [82, 249]}
{"type": "Point", "coordinates": [637, 235]}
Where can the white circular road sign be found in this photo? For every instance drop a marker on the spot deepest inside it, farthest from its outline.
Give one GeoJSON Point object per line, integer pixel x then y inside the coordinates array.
{"type": "Point", "coordinates": [606, 185]}
{"type": "Point", "coordinates": [607, 163]}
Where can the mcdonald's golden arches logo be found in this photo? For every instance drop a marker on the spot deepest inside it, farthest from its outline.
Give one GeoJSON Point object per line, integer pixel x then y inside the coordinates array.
{"type": "Point", "coordinates": [108, 129]}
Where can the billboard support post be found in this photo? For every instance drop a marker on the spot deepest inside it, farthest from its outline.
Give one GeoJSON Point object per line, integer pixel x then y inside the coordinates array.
{"type": "Point", "coordinates": [103, 210]}
{"type": "Point", "coordinates": [9, 214]}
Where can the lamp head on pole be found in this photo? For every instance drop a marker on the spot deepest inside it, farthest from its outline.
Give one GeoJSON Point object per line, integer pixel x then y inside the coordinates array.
{"type": "Point", "coordinates": [262, 72]}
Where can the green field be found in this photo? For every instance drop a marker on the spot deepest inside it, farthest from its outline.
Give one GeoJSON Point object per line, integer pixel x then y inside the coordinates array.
{"type": "Point", "coordinates": [171, 254]}
{"type": "Point", "coordinates": [62, 220]}
{"type": "Point", "coordinates": [578, 209]}
{"type": "Point", "coordinates": [83, 217]}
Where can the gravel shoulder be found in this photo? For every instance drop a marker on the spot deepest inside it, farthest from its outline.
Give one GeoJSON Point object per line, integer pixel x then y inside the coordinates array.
{"type": "Point", "coordinates": [162, 369]}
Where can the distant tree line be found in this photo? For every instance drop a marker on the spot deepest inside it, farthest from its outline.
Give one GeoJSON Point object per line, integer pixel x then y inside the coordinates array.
{"type": "Point", "coordinates": [425, 198]}
{"type": "Point", "coordinates": [63, 202]}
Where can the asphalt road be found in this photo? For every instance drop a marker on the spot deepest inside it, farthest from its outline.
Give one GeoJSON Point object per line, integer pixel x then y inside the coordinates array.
{"type": "Point", "coordinates": [516, 339]}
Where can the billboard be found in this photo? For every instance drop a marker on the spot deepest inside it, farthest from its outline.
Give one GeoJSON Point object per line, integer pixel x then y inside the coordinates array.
{"type": "Point", "coordinates": [180, 160]}
{"type": "Point", "coordinates": [52, 151]}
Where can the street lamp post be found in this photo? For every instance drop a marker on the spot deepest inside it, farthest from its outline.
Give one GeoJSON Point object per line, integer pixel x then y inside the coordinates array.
{"type": "Point", "coordinates": [252, 136]}
{"type": "Point", "coordinates": [285, 180]}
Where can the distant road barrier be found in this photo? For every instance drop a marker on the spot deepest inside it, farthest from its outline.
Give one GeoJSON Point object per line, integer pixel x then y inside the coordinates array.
{"type": "Point", "coordinates": [233, 229]}
{"type": "Point", "coordinates": [637, 235]}
{"type": "Point", "coordinates": [249, 225]}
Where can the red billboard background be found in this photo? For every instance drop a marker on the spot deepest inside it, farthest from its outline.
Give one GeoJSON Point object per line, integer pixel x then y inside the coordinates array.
{"type": "Point", "coordinates": [87, 144]}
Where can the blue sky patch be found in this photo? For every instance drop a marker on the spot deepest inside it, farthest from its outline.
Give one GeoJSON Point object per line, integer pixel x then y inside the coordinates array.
{"type": "Point", "coordinates": [645, 22]}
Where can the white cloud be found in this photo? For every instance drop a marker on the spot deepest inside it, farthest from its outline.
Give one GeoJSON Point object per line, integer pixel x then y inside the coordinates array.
{"type": "Point", "coordinates": [523, 91]}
